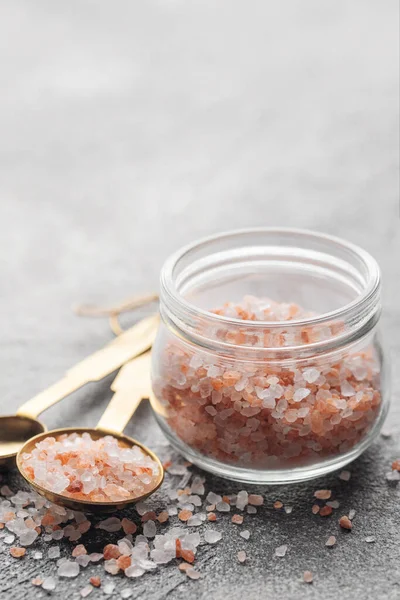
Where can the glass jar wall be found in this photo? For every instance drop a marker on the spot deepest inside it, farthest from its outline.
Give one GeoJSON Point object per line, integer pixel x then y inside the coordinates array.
{"type": "Point", "coordinates": [267, 367]}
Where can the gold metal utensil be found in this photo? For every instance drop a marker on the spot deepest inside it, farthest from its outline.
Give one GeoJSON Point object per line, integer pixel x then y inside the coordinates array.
{"type": "Point", "coordinates": [15, 430]}
{"type": "Point", "coordinates": [130, 386]}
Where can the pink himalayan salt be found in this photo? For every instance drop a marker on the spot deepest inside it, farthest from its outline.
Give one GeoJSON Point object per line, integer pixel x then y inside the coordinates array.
{"type": "Point", "coordinates": [65, 466]}
{"type": "Point", "coordinates": [323, 494]}
{"type": "Point", "coordinates": [329, 406]}
{"type": "Point", "coordinates": [308, 577]}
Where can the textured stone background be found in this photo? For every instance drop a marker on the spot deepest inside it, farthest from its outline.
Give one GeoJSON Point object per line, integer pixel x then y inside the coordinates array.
{"type": "Point", "coordinates": [128, 128]}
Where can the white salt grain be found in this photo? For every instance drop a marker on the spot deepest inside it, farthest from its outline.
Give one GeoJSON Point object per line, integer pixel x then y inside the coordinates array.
{"type": "Point", "coordinates": [281, 551]}
{"type": "Point", "coordinates": [370, 539]}
{"type": "Point", "coordinates": [134, 571]}
{"type": "Point", "coordinates": [149, 529]}
{"type": "Point", "coordinates": [68, 569]}
{"type": "Point", "coordinates": [126, 593]}
{"type": "Point", "coordinates": [245, 534]}
{"type": "Point", "coordinates": [54, 552]}
{"type": "Point", "coordinates": [223, 506]}
{"type": "Point", "coordinates": [192, 573]}
{"type": "Point", "coordinates": [352, 514]}
{"type": "Point", "coordinates": [108, 588]}
{"type": "Point", "coordinates": [83, 560]}
{"type": "Point", "coordinates": [9, 539]}
{"type": "Point", "coordinates": [242, 500]}
{"type": "Point", "coordinates": [241, 556]}
{"type": "Point", "coordinates": [345, 475]}
{"type": "Point", "coordinates": [86, 591]}
{"type": "Point", "coordinates": [251, 510]}
{"type": "Point", "coordinates": [212, 537]}
{"type": "Point", "coordinates": [213, 498]}
{"type": "Point", "coordinates": [49, 584]}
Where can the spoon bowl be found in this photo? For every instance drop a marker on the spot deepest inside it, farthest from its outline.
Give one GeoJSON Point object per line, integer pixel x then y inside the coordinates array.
{"type": "Point", "coordinates": [87, 505]}
{"type": "Point", "coordinates": [131, 385]}
{"type": "Point", "coordinates": [15, 431]}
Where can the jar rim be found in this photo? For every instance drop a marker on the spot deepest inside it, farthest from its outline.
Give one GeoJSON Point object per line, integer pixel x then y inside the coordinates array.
{"type": "Point", "coordinates": [363, 299]}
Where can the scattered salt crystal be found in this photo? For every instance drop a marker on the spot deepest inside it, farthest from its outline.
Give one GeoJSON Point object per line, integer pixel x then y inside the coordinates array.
{"type": "Point", "coordinates": [28, 537]}
{"type": "Point", "coordinates": [57, 534]}
{"type": "Point", "coordinates": [241, 556]}
{"type": "Point", "coordinates": [126, 593]}
{"type": "Point", "coordinates": [68, 569]}
{"type": "Point", "coordinates": [331, 541]}
{"type": "Point", "coordinates": [352, 514]}
{"type": "Point", "coordinates": [111, 524]}
{"type": "Point", "coordinates": [149, 529]}
{"type": "Point", "coordinates": [83, 560]}
{"type": "Point", "coordinates": [386, 433]}
{"type": "Point", "coordinates": [194, 521]}
{"type": "Point", "coordinates": [134, 571]}
{"type": "Point", "coordinates": [345, 475]}
{"type": "Point", "coordinates": [223, 506]}
{"type": "Point", "coordinates": [256, 500]}
{"type": "Point", "coordinates": [242, 500]}
{"type": "Point", "coordinates": [323, 494]}
{"type": "Point", "coordinates": [245, 534]}
{"type": "Point", "coordinates": [95, 557]}
{"type": "Point", "coordinates": [281, 551]}
{"type": "Point", "coordinates": [192, 573]}
{"type": "Point", "coordinates": [9, 539]}
{"type": "Point", "coordinates": [37, 555]}
{"type": "Point", "coordinates": [370, 539]}
{"type": "Point", "coordinates": [198, 486]}
{"type": "Point", "coordinates": [49, 584]}
{"type": "Point", "coordinates": [213, 498]}
{"type": "Point", "coordinates": [54, 552]}
{"type": "Point", "coordinates": [333, 503]}
{"type": "Point", "coordinates": [393, 476]}
{"type": "Point", "coordinates": [251, 510]}
{"type": "Point", "coordinates": [86, 591]}
{"type": "Point", "coordinates": [108, 588]}
{"type": "Point", "coordinates": [308, 577]}
{"type": "Point", "coordinates": [288, 509]}
{"type": "Point", "coordinates": [5, 491]}
{"type": "Point", "coordinates": [212, 537]}
{"type": "Point", "coordinates": [111, 566]}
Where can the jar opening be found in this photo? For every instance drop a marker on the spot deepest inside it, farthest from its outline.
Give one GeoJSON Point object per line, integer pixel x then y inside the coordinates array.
{"type": "Point", "coordinates": [336, 283]}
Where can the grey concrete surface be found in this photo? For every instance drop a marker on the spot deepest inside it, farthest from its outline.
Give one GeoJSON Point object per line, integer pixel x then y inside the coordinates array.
{"type": "Point", "coordinates": [129, 128]}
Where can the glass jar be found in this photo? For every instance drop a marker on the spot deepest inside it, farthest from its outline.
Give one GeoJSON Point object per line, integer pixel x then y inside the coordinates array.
{"type": "Point", "coordinates": [268, 367]}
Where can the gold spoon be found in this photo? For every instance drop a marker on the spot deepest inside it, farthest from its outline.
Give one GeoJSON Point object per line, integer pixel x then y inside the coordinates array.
{"type": "Point", "coordinates": [130, 386]}
{"type": "Point", "coordinates": [15, 430]}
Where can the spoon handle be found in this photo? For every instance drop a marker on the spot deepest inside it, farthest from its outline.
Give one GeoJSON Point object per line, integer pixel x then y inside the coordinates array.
{"type": "Point", "coordinates": [130, 344]}
{"type": "Point", "coordinates": [131, 385]}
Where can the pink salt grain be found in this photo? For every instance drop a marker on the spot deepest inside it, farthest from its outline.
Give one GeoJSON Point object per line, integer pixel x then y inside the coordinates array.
{"type": "Point", "coordinates": [308, 577]}
{"type": "Point", "coordinates": [79, 550]}
{"type": "Point", "coordinates": [129, 526]}
{"type": "Point", "coordinates": [256, 500]}
{"type": "Point", "coordinates": [241, 556]}
{"type": "Point", "coordinates": [345, 523]}
{"type": "Point", "coordinates": [323, 494]}
{"type": "Point", "coordinates": [331, 541]}
{"type": "Point", "coordinates": [237, 519]}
